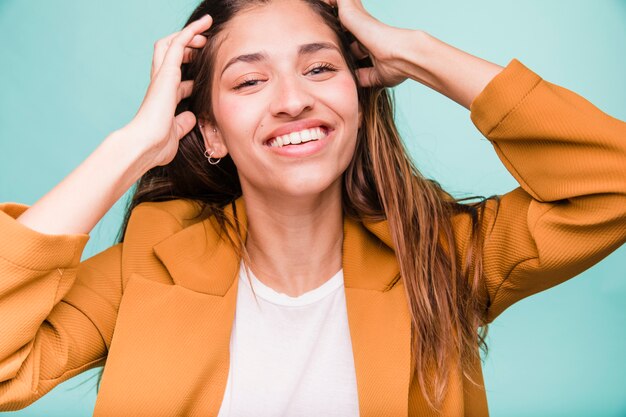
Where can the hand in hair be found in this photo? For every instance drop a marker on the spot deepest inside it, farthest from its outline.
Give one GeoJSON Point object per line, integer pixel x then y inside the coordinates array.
{"type": "Point", "coordinates": [398, 54]}
{"type": "Point", "coordinates": [155, 124]}
{"type": "Point", "coordinates": [376, 41]}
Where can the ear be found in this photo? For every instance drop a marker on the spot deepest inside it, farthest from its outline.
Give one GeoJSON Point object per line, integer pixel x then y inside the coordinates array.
{"type": "Point", "coordinates": [213, 140]}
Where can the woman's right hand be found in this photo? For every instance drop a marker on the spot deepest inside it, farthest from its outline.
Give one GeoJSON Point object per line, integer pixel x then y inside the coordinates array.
{"type": "Point", "coordinates": [155, 127]}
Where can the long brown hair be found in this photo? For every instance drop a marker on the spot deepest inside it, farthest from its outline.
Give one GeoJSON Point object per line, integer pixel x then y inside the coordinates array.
{"type": "Point", "coordinates": [381, 183]}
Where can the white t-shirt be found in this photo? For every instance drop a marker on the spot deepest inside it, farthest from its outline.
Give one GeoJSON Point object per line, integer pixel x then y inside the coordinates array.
{"type": "Point", "coordinates": [290, 356]}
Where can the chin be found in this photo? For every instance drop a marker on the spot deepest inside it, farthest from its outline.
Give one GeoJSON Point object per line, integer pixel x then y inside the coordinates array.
{"type": "Point", "coordinates": [308, 186]}
{"type": "Point", "coordinates": [312, 190]}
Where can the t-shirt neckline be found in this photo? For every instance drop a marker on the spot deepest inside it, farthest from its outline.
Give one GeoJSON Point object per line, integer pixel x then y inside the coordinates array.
{"type": "Point", "coordinates": [269, 294]}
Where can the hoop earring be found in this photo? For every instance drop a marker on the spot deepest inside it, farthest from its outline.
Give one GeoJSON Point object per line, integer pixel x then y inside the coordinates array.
{"type": "Point", "coordinates": [209, 157]}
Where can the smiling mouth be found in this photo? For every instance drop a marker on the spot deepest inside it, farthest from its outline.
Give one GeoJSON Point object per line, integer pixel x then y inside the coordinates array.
{"type": "Point", "coordinates": [299, 137]}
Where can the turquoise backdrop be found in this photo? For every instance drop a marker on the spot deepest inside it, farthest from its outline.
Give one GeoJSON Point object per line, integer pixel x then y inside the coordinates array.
{"type": "Point", "coordinates": [73, 71]}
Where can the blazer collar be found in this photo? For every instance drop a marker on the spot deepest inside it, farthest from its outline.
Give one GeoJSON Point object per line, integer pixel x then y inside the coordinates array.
{"type": "Point", "coordinates": [380, 327]}
{"type": "Point", "coordinates": [199, 259]}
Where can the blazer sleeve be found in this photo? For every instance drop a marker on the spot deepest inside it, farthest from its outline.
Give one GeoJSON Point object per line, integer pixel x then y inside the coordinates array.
{"type": "Point", "coordinates": [570, 209]}
{"type": "Point", "coordinates": [57, 313]}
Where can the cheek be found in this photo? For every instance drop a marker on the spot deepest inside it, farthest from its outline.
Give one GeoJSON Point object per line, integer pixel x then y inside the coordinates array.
{"type": "Point", "coordinates": [341, 95]}
{"type": "Point", "coordinates": [236, 120]}
{"type": "Point", "coordinates": [342, 98]}
{"type": "Point", "coordinates": [229, 112]}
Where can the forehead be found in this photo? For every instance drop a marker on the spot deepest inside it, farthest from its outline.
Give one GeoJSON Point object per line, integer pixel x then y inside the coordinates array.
{"type": "Point", "coordinates": [280, 26]}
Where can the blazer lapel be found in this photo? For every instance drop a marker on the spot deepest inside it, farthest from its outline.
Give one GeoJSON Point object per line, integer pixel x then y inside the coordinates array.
{"type": "Point", "coordinates": [173, 337]}
{"type": "Point", "coordinates": [378, 318]}
{"type": "Point", "coordinates": [199, 259]}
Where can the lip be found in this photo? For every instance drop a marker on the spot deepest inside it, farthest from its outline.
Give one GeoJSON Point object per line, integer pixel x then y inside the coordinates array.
{"type": "Point", "coordinates": [297, 126]}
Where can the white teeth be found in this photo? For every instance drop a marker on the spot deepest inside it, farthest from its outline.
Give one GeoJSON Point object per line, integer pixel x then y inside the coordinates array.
{"type": "Point", "coordinates": [295, 138]}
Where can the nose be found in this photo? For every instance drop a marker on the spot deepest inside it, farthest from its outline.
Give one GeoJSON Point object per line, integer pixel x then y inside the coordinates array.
{"type": "Point", "coordinates": [291, 97]}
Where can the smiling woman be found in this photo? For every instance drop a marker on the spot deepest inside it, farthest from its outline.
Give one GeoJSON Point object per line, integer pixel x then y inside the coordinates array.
{"type": "Point", "coordinates": [281, 253]}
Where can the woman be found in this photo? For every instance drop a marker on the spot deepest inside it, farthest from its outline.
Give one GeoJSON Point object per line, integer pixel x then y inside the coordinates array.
{"type": "Point", "coordinates": [304, 182]}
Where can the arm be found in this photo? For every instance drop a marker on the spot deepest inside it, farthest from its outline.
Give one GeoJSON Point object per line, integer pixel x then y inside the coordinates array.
{"type": "Point", "coordinates": [76, 204]}
{"type": "Point", "coordinates": [57, 314]}
{"type": "Point", "coordinates": [444, 68]}
{"type": "Point", "coordinates": [570, 161]}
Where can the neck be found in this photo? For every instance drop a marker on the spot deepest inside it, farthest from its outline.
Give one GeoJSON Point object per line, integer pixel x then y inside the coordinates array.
{"type": "Point", "coordinates": [295, 244]}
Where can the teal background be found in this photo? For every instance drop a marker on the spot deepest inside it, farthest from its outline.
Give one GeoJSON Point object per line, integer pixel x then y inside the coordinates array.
{"type": "Point", "coordinates": [73, 71]}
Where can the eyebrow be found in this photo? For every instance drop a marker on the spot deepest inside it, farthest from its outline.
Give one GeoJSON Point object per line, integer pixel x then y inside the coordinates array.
{"type": "Point", "coordinates": [306, 49]}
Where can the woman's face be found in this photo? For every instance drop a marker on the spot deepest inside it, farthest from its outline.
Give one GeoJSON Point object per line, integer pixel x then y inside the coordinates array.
{"type": "Point", "coordinates": [284, 101]}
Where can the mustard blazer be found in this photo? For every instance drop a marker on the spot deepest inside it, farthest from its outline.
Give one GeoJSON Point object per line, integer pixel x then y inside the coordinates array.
{"type": "Point", "coordinates": [158, 309]}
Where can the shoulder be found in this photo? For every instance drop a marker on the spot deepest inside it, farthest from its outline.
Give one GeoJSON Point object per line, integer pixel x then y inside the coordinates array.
{"type": "Point", "coordinates": [152, 224]}
{"type": "Point", "coordinates": [181, 210]}
{"type": "Point", "coordinates": [155, 221]}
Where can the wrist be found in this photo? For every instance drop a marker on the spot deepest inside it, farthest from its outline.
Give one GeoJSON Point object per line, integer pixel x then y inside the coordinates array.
{"type": "Point", "coordinates": [123, 144]}
{"type": "Point", "coordinates": [415, 58]}
{"type": "Point", "coordinates": [450, 71]}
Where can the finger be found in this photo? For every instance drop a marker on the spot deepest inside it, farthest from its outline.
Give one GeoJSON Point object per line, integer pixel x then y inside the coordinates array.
{"type": "Point", "coordinates": [189, 55]}
{"type": "Point", "coordinates": [185, 121]}
{"type": "Point", "coordinates": [184, 90]}
{"type": "Point", "coordinates": [192, 50]}
{"type": "Point", "coordinates": [162, 45]}
{"type": "Point", "coordinates": [358, 50]}
{"type": "Point", "coordinates": [368, 77]}
{"type": "Point", "coordinates": [174, 55]}
{"type": "Point", "coordinates": [160, 48]}
{"type": "Point", "coordinates": [198, 41]}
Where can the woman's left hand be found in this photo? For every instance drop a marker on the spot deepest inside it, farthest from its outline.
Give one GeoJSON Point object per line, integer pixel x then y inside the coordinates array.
{"type": "Point", "coordinates": [398, 54]}
{"type": "Point", "coordinates": [375, 40]}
